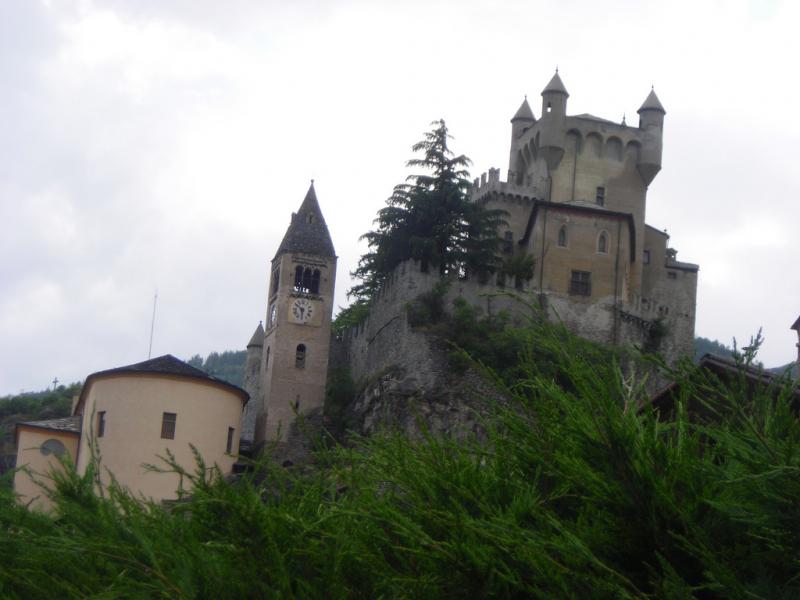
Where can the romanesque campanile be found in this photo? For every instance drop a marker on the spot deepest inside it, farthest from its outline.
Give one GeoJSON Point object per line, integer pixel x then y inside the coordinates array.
{"type": "Point", "coordinates": [291, 351]}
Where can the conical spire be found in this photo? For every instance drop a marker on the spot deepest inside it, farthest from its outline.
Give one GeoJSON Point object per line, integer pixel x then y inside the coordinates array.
{"type": "Point", "coordinates": [652, 103]}
{"type": "Point", "coordinates": [556, 86]}
{"type": "Point", "coordinates": [524, 113]}
{"type": "Point", "coordinates": [308, 232]}
{"type": "Point", "coordinates": [258, 336]}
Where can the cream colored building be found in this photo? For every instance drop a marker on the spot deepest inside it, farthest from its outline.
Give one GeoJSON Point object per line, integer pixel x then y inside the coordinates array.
{"type": "Point", "coordinates": [129, 417]}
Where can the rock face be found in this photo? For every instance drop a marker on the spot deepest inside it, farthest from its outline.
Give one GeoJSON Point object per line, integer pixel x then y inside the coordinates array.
{"type": "Point", "coordinates": [432, 399]}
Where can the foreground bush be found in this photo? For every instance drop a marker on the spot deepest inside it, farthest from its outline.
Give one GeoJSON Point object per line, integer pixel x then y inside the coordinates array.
{"type": "Point", "coordinates": [577, 494]}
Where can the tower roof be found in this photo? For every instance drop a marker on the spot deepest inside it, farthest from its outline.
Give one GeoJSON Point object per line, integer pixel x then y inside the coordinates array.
{"type": "Point", "coordinates": [524, 113]}
{"type": "Point", "coordinates": [556, 86]}
{"type": "Point", "coordinates": [652, 103]}
{"type": "Point", "coordinates": [258, 336]}
{"type": "Point", "coordinates": [308, 232]}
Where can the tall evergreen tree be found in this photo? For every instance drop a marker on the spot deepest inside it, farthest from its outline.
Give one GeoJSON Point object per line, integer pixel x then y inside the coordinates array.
{"type": "Point", "coordinates": [431, 219]}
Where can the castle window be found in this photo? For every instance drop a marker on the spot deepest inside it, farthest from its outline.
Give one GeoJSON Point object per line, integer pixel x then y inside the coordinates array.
{"type": "Point", "coordinates": [229, 443]}
{"type": "Point", "coordinates": [300, 357]}
{"type": "Point", "coordinates": [101, 423]}
{"type": "Point", "coordinates": [647, 257]}
{"type": "Point", "coordinates": [168, 426]}
{"type": "Point", "coordinates": [600, 196]}
{"type": "Point", "coordinates": [508, 241]}
{"type": "Point", "coordinates": [315, 281]}
{"type": "Point", "coordinates": [602, 243]}
{"type": "Point", "coordinates": [672, 274]}
{"type": "Point", "coordinates": [276, 276]}
{"type": "Point", "coordinates": [549, 107]}
{"type": "Point", "coordinates": [562, 236]}
{"type": "Point", "coordinates": [310, 219]}
{"type": "Point", "coordinates": [581, 283]}
{"type": "Point", "coordinates": [266, 360]}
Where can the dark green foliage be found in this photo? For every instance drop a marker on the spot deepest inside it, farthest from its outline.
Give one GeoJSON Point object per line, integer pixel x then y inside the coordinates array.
{"type": "Point", "coordinates": [353, 315]}
{"type": "Point", "coordinates": [340, 393]}
{"type": "Point", "coordinates": [575, 494]}
{"type": "Point", "coordinates": [227, 365]}
{"type": "Point", "coordinates": [428, 308]}
{"type": "Point", "coordinates": [705, 346]}
{"type": "Point", "coordinates": [430, 219]}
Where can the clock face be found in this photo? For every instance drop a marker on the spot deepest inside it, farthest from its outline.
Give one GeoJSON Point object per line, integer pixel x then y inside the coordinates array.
{"type": "Point", "coordinates": [302, 310]}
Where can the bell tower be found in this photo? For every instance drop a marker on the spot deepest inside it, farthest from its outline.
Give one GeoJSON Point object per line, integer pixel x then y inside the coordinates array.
{"type": "Point", "coordinates": [294, 361]}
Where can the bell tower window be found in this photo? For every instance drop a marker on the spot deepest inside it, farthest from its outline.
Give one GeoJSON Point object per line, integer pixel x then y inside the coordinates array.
{"type": "Point", "coordinates": [600, 196]}
{"type": "Point", "coordinates": [300, 357]}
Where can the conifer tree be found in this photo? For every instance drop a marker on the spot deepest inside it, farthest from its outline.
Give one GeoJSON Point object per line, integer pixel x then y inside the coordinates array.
{"type": "Point", "coordinates": [430, 218]}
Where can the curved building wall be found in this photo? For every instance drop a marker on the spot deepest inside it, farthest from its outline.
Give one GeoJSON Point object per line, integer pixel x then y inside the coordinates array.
{"type": "Point", "coordinates": [39, 464]}
{"type": "Point", "coordinates": [134, 407]}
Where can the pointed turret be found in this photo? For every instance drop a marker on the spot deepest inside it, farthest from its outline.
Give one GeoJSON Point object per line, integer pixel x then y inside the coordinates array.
{"type": "Point", "coordinates": [308, 232]}
{"type": "Point", "coordinates": [556, 86]}
{"type": "Point", "coordinates": [651, 103]}
{"type": "Point", "coordinates": [524, 113]}
{"type": "Point", "coordinates": [651, 121]}
{"type": "Point", "coordinates": [258, 336]}
{"type": "Point", "coordinates": [554, 112]}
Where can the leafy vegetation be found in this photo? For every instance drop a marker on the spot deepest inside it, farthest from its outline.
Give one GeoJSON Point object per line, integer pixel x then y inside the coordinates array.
{"type": "Point", "coordinates": [575, 494]}
{"type": "Point", "coordinates": [430, 219]}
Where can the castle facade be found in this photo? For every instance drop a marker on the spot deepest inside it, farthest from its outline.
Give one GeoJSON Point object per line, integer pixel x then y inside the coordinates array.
{"type": "Point", "coordinates": [575, 194]}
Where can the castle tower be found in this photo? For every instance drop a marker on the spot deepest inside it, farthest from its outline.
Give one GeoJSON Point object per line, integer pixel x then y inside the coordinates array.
{"type": "Point", "coordinates": [554, 112]}
{"type": "Point", "coordinates": [520, 122]}
{"type": "Point", "coordinates": [252, 382]}
{"type": "Point", "coordinates": [294, 361]}
{"type": "Point", "coordinates": [651, 122]}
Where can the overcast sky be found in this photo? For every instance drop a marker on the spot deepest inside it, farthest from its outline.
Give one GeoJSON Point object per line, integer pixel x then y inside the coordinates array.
{"type": "Point", "coordinates": [156, 144]}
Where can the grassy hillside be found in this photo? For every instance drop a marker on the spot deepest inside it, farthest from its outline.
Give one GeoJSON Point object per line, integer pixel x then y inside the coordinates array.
{"type": "Point", "coordinates": [575, 494]}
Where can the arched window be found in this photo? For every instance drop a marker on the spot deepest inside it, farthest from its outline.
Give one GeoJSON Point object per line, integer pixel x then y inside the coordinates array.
{"type": "Point", "coordinates": [298, 278]}
{"type": "Point", "coordinates": [562, 236]}
{"type": "Point", "coordinates": [266, 360]}
{"type": "Point", "coordinates": [602, 243]}
{"type": "Point", "coordinates": [52, 446]}
{"type": "Point", "coordinates": [315, 282]}
{"type": "Point", "coordinates": [300, 356]}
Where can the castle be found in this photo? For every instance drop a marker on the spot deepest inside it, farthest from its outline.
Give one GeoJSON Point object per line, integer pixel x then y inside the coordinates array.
{"type": "Point", "coordinates": [575, 195]}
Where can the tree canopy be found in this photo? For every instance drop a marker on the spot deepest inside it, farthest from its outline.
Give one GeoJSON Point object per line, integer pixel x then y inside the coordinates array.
{"type": "Point", "coordinates": [430, 218]}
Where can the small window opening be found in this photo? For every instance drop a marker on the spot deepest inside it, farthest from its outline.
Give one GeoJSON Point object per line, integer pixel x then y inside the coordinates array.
{"type": "Point", "coordinates": [672, 274]}
{"type": "Point", "coordinates": [300, 356]}
{"type": "Point", "coordinates": [297, 402]}
{"type": "Point", "coordinates": [602, 243]}
{"type": "Point", "coordinates": [508, 242]}
{"type": "Point", "coordinates": [276, 276]}
{"type": "Point", "coordinates": [101, 423]}
{"type": "Point", "coordinates": [647, 257]}
{"type": "Point", "coordinates": [229, 443]}
{"type": "Point", "coordinates": [549, 107]}
{"type": "Point", "coordinates": [298, 278]}
{"type": "Point", "coordinates": [310, 219]}
{"type": "Point", "coordinates": [580, 283]}
{"type": "Point", "coordinates": [168, 426]}
{"type": "Point", "coordinates": [266, 359]}
{"type": "Point", "coordinates": [600, 196]}
{"type": "Point", "coordinates": [562, 236]}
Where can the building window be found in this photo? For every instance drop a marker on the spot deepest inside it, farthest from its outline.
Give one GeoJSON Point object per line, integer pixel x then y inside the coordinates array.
{"type": "Point", "coordinates": [581, 283]}
{"type": "Point", "coordinates": [672, 274]}
{"type": "Point", "coordinates": [300, 356]}
{"type": "Point", "coordinates": [168, 426]}
{"type": "Point", "coordinates": [508, 242]}
{"type": "Point", "coordinates": [276, 277]}
{"type": "Point", "coordinates": [562, 236]}
{"type": "Point", "coordinates": [52, 446]}
{"type": "Point", "coordinates": [101, 423]}
{"type": "Point", "coordinates": [600, 196]}
{"type": "Point", "coordinates": [266, 360]}
{"type": "Point", "coordinates": [647, 257]}
{"type": "Point", "coordinates": [229, 443]}
{"type": "Point", "coordinates": [602, 243]}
